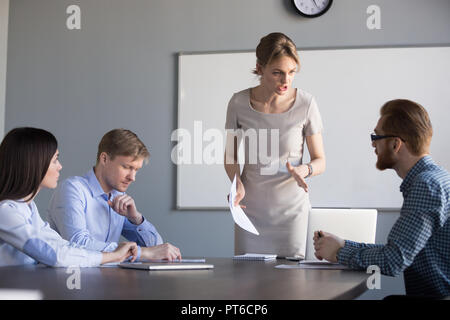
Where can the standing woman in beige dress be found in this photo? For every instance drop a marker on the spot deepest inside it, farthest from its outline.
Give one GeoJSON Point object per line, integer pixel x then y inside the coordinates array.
{"type": "Point", "coordinates": [276, 201]}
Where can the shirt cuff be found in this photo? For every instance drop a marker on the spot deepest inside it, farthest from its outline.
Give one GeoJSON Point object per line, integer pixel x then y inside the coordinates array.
{"type": "Point", "coordinates": [346, 253]}
{"type": "Point", "coordinates": [138, 254]}
{"type": "Point", "coordinates": [148, 233]}
{"type": "Point", "coordinates": [110, 247]}
{"type": "Point", "coordinates": [95, 258]}
{"type": "Point", "coordinates": [143, 219]}
{"type": "Point", "coordinates": [352, 244]}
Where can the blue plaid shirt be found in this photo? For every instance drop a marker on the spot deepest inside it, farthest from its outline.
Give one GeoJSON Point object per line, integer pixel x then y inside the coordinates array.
{"type": "Point", "coordinates": [419, 242]}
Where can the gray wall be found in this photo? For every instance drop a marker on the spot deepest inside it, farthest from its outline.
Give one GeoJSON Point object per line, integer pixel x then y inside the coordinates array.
{"type": "Point", "coordinates": [120, 70]}
{"type": "Point", "coordinates": [4, 10]}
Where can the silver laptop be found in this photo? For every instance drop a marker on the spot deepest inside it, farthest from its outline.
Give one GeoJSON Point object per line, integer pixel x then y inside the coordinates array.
{"type": "Point", "coordinates": [166, 266]}
{"type": "Point", "coordinates": [359, 225]}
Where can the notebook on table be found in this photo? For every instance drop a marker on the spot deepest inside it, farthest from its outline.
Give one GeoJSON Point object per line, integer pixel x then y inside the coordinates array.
{"type": "Point", "coordinates": [166, 266]}
{"type": "Point", "coordinates": [256, 256]}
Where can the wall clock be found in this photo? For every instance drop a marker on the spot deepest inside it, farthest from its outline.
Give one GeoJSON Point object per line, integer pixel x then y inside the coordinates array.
{"type": "Point", "coordinates": [312, 8]}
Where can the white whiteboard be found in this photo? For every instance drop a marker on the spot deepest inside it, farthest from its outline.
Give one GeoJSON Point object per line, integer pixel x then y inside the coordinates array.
{"type": "Point", "coordinates": [350, 86]}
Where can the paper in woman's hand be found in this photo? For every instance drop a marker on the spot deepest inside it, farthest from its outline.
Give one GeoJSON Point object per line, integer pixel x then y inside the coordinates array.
{"type": "Point", "coordinates": [238, 214]}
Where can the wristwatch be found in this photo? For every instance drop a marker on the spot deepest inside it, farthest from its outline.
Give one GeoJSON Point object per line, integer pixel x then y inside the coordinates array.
{"type": "Point", "coordinates": [310, 170]}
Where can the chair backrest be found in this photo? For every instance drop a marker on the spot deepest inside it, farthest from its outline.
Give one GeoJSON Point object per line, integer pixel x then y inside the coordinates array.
{"type": "Point", "coordinates": [350, 224]}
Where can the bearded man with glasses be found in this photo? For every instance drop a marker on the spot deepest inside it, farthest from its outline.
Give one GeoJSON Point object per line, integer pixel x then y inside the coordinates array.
{"type": "Point", "coordinates": [419, 242]}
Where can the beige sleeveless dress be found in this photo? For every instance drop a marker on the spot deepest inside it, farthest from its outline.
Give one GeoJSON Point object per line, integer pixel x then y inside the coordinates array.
{"type": "Point", "coordinates": [275, 204]}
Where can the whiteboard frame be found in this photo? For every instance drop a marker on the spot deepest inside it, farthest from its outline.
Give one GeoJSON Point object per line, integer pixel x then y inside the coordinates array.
{"type": "Point", "coordinates": [225, 208]}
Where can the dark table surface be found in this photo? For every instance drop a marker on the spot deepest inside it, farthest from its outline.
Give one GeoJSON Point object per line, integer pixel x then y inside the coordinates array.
{"type": "Point", "coordinates": [229, 280]}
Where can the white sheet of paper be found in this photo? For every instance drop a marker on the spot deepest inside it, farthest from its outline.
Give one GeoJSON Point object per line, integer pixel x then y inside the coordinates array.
{"type": "Point", "coordinates": [238, 214]}
{"type": "Point", "coordinates": [20, 294]}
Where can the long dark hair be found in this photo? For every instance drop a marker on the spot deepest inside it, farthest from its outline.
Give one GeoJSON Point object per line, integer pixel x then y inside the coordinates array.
{"type": "Point", "coordinates": [25, 155]}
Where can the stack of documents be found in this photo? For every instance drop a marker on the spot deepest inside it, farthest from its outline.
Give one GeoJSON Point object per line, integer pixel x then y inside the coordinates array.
{"type": "Point", "coordinates": [256, 256]}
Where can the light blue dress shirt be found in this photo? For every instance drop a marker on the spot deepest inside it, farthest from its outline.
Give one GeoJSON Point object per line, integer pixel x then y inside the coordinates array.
{"type": "Point", "coordinates": [26, 239]}
{"type": "Point", "coordinates": [79, 211]}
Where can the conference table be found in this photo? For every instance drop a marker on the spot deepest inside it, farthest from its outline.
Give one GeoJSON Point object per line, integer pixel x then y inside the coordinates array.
{"type": "Point", "coordinates": [228, 280]}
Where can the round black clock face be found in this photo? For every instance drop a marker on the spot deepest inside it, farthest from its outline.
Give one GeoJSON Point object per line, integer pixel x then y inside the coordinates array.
{"type": "Point", "coordinates": [312, 8]}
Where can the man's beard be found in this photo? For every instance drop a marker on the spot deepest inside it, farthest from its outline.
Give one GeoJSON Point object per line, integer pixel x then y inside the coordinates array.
{"type": "Point", "coordinates": [385, 160]}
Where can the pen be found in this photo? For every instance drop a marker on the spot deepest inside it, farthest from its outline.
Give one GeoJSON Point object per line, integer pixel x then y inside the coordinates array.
{"type": "Point", "coordinates": [319, 234]}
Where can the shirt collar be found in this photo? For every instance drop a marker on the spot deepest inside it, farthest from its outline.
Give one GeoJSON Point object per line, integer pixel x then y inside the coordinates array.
{"type": "Point", "coordinates": [414, 171]}
{"type": "Point", "coordinates": [95, 186]}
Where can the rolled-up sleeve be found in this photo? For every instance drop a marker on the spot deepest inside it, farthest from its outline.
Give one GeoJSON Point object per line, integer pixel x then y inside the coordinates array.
{"type": "Point", "coordinates": [144, 234]}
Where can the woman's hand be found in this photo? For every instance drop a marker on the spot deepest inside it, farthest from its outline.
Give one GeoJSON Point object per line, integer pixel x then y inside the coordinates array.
{"type": "Point", "coordinates": [299, 173]}
{"type": "Point", "coordinates": [123, 251]}
{"type": "Point", "coordinates": [240, 194]}
{"type": "Point", "coordinates": [164, 251]}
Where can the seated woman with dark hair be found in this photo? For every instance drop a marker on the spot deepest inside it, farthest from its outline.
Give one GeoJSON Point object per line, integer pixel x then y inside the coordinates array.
{"type": "Point", "coordinates": [29, 162]}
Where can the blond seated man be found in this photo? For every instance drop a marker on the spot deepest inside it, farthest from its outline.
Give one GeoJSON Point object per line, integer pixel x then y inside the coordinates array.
{"type": "Point", "coordinates": [93, 211]}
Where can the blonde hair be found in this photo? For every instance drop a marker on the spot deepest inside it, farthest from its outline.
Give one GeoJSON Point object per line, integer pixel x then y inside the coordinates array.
{"type": "Point", "coordinates": [273, 46]}
{"type": "Point", "coordinates": [122, 142]}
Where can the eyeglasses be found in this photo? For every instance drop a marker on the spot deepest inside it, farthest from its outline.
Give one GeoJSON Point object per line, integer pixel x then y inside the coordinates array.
{"type": "Point", "coordinates": [375, 137]}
